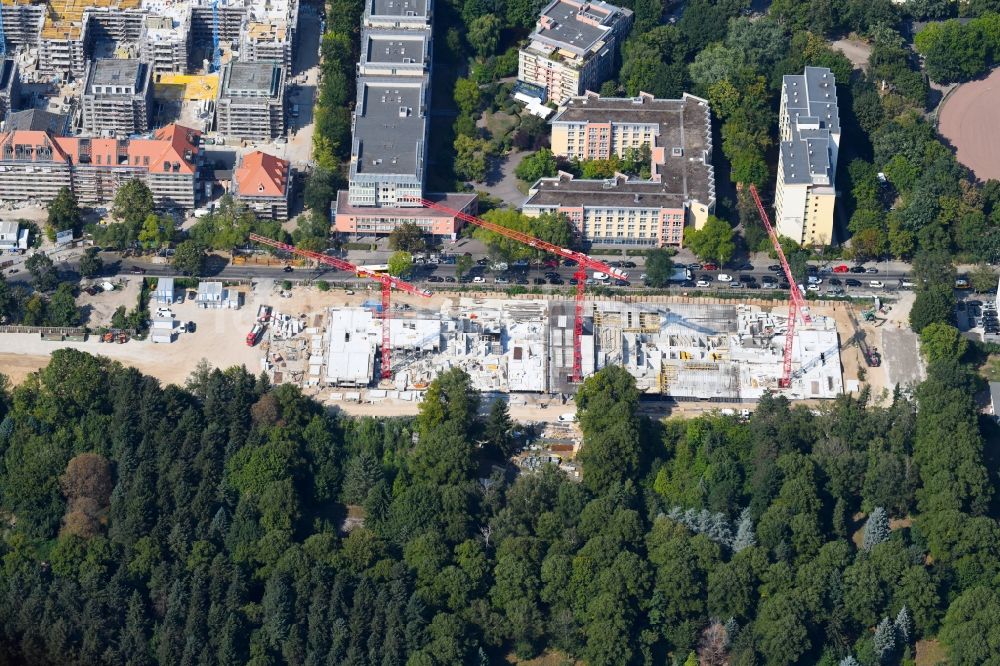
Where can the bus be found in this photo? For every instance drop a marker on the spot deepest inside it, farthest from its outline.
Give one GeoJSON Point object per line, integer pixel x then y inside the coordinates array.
{"type": "Point", "coordinates": [378, 269]}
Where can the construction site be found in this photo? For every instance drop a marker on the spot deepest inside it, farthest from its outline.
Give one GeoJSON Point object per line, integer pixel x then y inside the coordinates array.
{"type": "Point", "coordinates": [687, 351]}
{"type": "Point", "coordinates": [55, 38]}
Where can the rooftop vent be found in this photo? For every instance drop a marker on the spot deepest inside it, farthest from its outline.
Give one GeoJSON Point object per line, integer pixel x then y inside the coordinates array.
{"type": "Point", "coordinates": [676, 151]}
{"type": "Point", "coordinates": [404, 111]}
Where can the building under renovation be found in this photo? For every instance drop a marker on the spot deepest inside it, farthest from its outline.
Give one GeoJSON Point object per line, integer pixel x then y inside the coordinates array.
{"type": "Point", "coordinates": [172, 35]}
{"type": "Point", "coordinates": [251, 102]}
{"type": "Point", "coordinates": [719, 352]}
{"type": "Point", "coordinates": [117, 97]}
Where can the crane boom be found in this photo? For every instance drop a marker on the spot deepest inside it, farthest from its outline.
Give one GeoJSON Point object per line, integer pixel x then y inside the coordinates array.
{"type": "Point", "coordinates": [388, 283]}
{"type": "Point", "coordinates": [796, 303]}
{"type": "Point", "coordinates": [582, 259]}
{"type": "Point", "coordinates": [583, 262]}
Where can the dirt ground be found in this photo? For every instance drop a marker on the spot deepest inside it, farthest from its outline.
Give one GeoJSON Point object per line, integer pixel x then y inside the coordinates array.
{"type": "Point", "coordinates": [220, 338]}
{"type": "Point", "coordinates": [857, 52]}
{"type": "Point", "coordinates": [99, 308]}
{"type": "Point", "coordinates": [968, 121]}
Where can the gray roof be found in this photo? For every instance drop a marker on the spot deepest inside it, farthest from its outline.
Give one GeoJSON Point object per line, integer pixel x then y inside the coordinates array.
{"type": "Point", "coordinates": [618, 192]}
{"type": "Point", "coordinates": [683, 124]}
{"type": "Point", "coordinates": [418, 8]}
{"type": "Point", "coordinates": [39, 121]}
{"type": "Point", "coordinates": [578, 28]}
{"type": "Point", "coordinates": [394, 47]}
{"type": "Point", "coordinates": [259, 78]}
{"type": "Point", "coordinates": [811, 104]}
{"type": "Point", "coordinates": [389, 128]}
{"type": "Point", "coordinates": [165, 285]}
{"type": "Point", "coordinates": [110, 72]}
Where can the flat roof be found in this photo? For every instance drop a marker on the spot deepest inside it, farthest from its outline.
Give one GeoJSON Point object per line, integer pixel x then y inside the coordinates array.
{"type": "Point", "coordinates": [394, 47]}
{"type": "Point", "coordinates": [810, 101]}
{"type": "Point", "coordinates": [255, 77]}
{"type": "Point", "coordinates": [389, 127]}
{"type": "Point", "coordinates": [112, 72]}
{"type": "Point", "coordinates": [453, 200]}
{"type": "Point", "coordinates": [415, 8]}
{"type": "Point", "coordinates": [564, 190]}
{"type": "Point", "coordinates": [577, 25]}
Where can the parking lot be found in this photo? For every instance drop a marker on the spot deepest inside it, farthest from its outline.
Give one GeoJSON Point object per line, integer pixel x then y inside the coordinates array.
{"type": "Point", "coordinates": [978, 315]}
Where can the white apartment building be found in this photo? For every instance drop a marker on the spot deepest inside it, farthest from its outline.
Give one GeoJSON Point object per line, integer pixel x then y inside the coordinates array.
{"type": "Point", "coordinates": [809, 128]}
{"type": "Point", "coordinates": [572, 48]}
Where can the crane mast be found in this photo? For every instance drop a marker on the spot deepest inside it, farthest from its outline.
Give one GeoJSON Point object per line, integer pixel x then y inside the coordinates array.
{"type": "Point", "coordinates": [583, 261]}
{"type": "Point", "coordinates": [796, 303]}
{"type": "Point", "coordinates": [388, 283]}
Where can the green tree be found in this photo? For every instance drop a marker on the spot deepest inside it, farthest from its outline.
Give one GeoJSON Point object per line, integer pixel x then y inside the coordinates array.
{"type": "Point", "coordinates": [133, 203]}
{"type": "Point", "coordinates": [934, 304]}
{"type": "Point", "coordinates": [499, 429]}
{"type": "Point", "coordinates": [606, 409]}
{"type": "Point", "coordinates": [714, 241]}
{"type": "Point", "coordinates": [462, 265]}
{"type": "Point", "coordinates": [155, 231]}
{"type": "Point", "coordinates": [781, 629]}
{"type": "Point", "coordinates": [43, 271]}
{"type": "Point", "coordinates": [983, 279]}
{"type": "Point", "coordinates": [400, 263]}
{"type": "Point", "coordinates": [971, 627]}
{"type": "Point", "coordinates": [189, 257]}
{"type": "Point", "coordinates": [62, 310]}
{"type": "Point", "coordinates": [538, 165]}
{"type": "Point", "coordinates": [90, 263]}
{"type": "Point", "coordinates": [471, 158]}
{"type": "Point", "coordinates": [876, 528]}
{"type": "Point", "coordinates": [408, 237]}
{"type": "Point", "coordinates": [484, 35]}
{"type": "Point", "coordinates": [63, 214]}
{"type": "Point", "coordinates": [659, 267]}
{"type": "Point", "coordinates": [942, 341]}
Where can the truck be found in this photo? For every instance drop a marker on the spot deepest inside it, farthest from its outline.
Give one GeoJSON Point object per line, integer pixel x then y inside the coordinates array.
{"type": "Point", "coordinates": [264, 314]}
{"type": "Point", "coordinates": [681, 274]}
{"type": "Point", "coordinates": [255, 334]}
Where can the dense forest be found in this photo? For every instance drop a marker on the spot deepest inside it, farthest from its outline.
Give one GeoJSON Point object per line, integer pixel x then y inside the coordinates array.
{"type": "Point", "coordinates": [204, 525]}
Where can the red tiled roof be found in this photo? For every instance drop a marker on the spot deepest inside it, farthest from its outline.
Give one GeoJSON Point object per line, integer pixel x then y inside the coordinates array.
{"type": "Point", "coordinates": [171, 145]}
{"type": "Point", "coordinates": [261, 175]}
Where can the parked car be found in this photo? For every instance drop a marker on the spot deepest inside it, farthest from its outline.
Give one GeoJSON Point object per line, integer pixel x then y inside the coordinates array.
{"type": "Point", "coordinates": [702, 283]}
{"type": "Point", "coordinates": [288, 269]}
{"type": "Point", "coordinates": [449, 278]}
{"type": "Point", "coordinates": [871, 271]}
{"type": "Point", "coordinates": [479, 279]}
{"type": "Point", "coordinates": [749, 279]}
{"type": "Point", "coordinates": [724, 277]}
{"type": "Point", "coordinates": [568, 262]}
{"type": "Point", "coordinates": [521, 280]}
{"type": "Point", "coordinates": [857, 269]}
{"type": "Point", "coordinates": [775, 268]}
{"type": "Point", "coordinates": [745, 266]}
{"type": "Point", "coordinates": [136, 270]}
{"type": "Point", "coordinates": [538, 281]}
{"type": "Point", "coordinates": [501, 280]}
{"type": "Point", "coordinates": [550, 263]}
{"type": "Point", "coordinates": [628, 264]}
{"type": "Point", "coordinates": [812, 279]}
{"type": "Point", "coordinates": [482, 262]}
{"type": "Point", "coordinates": [875, 284]}
{"type": "Point", "coordinates": [435, 278]}
{"type": "Point", "coordinates": [851, 282]}
{"type": "Point", "coordinates": [695, 267]}
{"type": "Point", "coordinates": [842, 268]}
{"type": "Point", "coordinates": [191, 327]}
{"type": "Point", "coordinates": [556, 280]}
{"type": "Point", "coordinates": [710, 267]}
{"type": "Point", "coordinates": [812, 287]}
{"type": "Point", "coordinates": [620, 283]}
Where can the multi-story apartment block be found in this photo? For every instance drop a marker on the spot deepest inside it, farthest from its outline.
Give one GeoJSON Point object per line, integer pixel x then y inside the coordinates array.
{"type": "Point", "coordinates": [251, 102]}
{"type": "Point", "coordinates": [572, 48]}
{"type": "Point", "coordinates": [390, 127]}
{"type": "Point", "coordinates": [10, 87]}
{"type": "Point", "coordinates": [264, 183]}
{"type": "Point", "coordinates": [117, 97]}
{"type": "Point", "coordinates": [37, 120]}
{"type": "Point", "coordinates": [632, 211]}
{"type": "Point", "coordinates": [35, 164]}
{"type": "Point", "coordinates": [809, 128]}
{"type": "Point", "coordinates": [166, 33]}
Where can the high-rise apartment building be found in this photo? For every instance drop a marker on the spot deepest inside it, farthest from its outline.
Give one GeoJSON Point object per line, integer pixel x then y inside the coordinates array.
{"type": "Point", "coordinates": [572, 48]}
{"type": "Point", "coordinates": [676, 134]}
{"type": "Point", "coordinates": [390, 128]}
{"type": "Point", "coordinates": [809, 129]}
{"type": "Point", "coordinates": [10, 87]}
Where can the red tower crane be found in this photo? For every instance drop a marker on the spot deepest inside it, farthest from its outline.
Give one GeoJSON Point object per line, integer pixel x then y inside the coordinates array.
{"type": "Point", "coordinates": [388, 284]}
{"type": "Point", "coordinates": [582, 260]}
{"type": "Point", "coordinates": [796, 303]}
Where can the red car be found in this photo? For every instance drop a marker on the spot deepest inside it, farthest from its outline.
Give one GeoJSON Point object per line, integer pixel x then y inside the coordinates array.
{"type": "Point", "coordinates": [841, 269]}
{"type": "Point", "coordinates": [710, 267]}
{"type": "Point", "coordinates": [551, 263]}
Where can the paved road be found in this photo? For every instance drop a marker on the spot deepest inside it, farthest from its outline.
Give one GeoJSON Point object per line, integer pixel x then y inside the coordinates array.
{"type": "Point", "coordinates": [443, 275]}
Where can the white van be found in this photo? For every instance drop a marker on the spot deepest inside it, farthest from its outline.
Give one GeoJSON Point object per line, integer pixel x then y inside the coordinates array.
{"type": "Point", "coordinates": [568, 417]}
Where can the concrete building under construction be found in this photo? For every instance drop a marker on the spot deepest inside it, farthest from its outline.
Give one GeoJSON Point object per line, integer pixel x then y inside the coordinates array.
{"type": "Point", "coordinates": [172, 35]}
{"type": "Point", "coordinates": [117, 97]}
{"type": "Point", "coordinates": [251, 103]}
{"type": "Point", "coordinates": [688, 351]}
